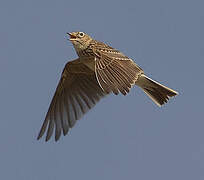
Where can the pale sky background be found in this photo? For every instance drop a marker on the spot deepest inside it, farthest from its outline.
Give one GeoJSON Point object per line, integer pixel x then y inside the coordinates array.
{"type": "Point", "coordinates": [122, 137]}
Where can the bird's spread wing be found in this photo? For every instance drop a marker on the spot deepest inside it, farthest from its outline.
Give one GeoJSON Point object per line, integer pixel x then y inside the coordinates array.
{"type": "Point", "coordinates": [115, 72]}
{"type": "Point", "coordinates": [77, 92]}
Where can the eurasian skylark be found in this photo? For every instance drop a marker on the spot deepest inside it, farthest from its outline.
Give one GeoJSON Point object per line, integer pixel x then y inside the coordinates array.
{"type": "Point", "coordinates": [99, 70]}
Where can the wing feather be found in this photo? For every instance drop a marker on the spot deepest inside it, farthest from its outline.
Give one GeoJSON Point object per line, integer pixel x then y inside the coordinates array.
{"type": "Point", "coordinates": [114, 71]}
{"type": "Point", "coordinates": [77, 92]}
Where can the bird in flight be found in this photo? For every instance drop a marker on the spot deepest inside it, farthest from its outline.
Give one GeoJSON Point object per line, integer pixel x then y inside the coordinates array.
{"type": "Point", "coordinates": [98, 71]}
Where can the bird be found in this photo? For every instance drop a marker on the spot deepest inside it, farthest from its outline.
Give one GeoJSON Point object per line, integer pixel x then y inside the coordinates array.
{"type": "Point", "coordinates": [98, 71]}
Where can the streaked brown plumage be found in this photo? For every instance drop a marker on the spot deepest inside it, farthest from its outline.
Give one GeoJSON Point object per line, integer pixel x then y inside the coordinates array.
{"type": "Point", "coordinates": [99, 70]}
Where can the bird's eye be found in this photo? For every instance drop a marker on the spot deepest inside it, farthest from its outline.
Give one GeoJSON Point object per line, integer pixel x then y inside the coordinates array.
{"type": "Point", "coordinates": [81, 34]}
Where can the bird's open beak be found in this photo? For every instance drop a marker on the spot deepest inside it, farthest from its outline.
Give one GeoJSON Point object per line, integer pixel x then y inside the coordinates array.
{"type": "Point", "coordinates": [72, 36]}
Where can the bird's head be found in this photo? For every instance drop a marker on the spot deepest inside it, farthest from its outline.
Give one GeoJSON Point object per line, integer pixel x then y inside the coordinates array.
{"type": "Point", "coordinates": [80, 40]}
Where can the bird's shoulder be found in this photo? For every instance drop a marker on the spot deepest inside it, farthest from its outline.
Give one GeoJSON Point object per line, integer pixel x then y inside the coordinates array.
{"type": "Point", "coordinates": [103, 49]}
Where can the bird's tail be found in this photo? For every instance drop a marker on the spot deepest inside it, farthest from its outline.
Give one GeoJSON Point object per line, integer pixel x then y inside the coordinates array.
{"type": "Point", "coordinates": [159, 93]}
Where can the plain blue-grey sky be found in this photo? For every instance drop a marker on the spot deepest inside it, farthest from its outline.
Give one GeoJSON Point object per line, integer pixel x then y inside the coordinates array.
{"type": "Point", "coordinates": [122, 137]}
